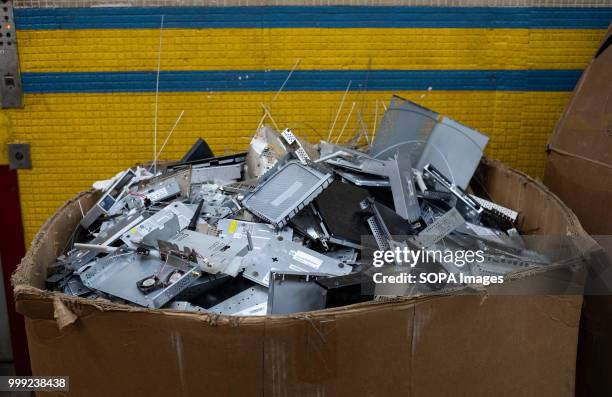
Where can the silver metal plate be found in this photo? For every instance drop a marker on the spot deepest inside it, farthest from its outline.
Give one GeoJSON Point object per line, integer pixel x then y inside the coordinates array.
{"type": "Point", "coordinates": [185, 306]}
{"type": "Point", "coordinates": [221, 175]}
{"type": "Point", "coordinates": [250, 301]}
{"type": "Point", "coordinates": [361, 179]}
{"type": "Point", "coordinates": [455, 150]}
{"type": "Point", "coordinates": [161, 190]}
{"type": "Point", "coordinates": [162, 225]}
{"type": "Point", "coordinates": [293, 292]}
{"type": "Point", "coordinates": [213, 254]}
{"type": "Point", "coordinates": [405, 127]}
{"type": "Point", "coordinates": [118, 274]}
{"type": "Point", "coordinates": [511, 214]}
{"type": "Point", "coordinates": [402, 187]}
{"type": "Point", "coordinates": [287, 191]}
{"type": "Point", "coordinates": [289, 256]}
{"type": "Point", "coordinates": [260, 233]}
{"type": "Point", "coordinates": [440, 228]}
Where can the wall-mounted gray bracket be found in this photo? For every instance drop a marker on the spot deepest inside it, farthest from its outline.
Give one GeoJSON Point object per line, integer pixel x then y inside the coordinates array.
{"type": "Point", "coordinates": [19, 156]}
{"type": "Point", "coordinates": [11, 93]}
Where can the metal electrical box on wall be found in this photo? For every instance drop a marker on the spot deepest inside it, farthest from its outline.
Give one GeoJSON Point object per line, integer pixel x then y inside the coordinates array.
{"type": "Point", "coordinates": [11, 93]}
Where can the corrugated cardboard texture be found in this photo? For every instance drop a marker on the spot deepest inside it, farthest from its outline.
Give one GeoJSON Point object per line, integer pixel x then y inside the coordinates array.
{"type": "Point", "coordinates": [475, 345]}
{"type": "Point", "coordinates": [579, 170]}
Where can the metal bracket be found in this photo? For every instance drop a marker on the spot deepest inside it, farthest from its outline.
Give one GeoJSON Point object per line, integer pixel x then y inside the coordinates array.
{"type": "Point", "coordinates": [19, 156]}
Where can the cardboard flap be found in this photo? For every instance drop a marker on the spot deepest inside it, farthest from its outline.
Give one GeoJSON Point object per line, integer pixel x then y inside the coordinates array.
{"type": "Point", "coordinates": [585, 127]}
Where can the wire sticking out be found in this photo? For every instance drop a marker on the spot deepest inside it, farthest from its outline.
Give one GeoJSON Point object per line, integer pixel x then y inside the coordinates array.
{"type": "Point", "coordinates": [339, 109]}
{"type": "Point", "coordinates": [345, 123]}
{"type": "Point", "coordinates": [159, 50]}
{"type": "Point", "coordinates": [297, 62]}
{"type": "Point", "coordinates": [178, 120]}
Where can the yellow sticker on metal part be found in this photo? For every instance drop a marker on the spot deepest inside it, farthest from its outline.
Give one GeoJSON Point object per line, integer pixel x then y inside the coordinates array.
{"type": "Point", "coordinates": [232, 227]}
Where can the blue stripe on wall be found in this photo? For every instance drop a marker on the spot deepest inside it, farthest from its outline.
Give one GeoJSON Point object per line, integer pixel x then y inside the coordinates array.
{"type": "Point", "coordinates": [302, 80]}
{"type": "Point", "coordinates": [305, 17]}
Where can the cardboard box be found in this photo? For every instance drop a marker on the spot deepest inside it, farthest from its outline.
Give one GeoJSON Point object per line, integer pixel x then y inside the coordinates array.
{"type": "Point", "coordinates": [579, 171]}
{"type": "Point", "coordinates": [460, 345]}
{"type": "Point", "coordinates": [579, 168]}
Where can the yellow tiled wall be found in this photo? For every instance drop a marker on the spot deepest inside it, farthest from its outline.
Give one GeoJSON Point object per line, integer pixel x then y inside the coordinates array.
{"type": "Point", "coordinates": [77, 138]}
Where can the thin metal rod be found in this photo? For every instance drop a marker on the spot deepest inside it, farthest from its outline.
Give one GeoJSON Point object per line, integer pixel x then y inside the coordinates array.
{"type": "Point", "coordinates": [297, 62]}
{"type": "Point", "coordinates": [339, 109]}
{"type": "Point", "coordinates": [159, 50]}
{"type": "Point", "coordinates": [345, 123]}
{"type": "Point", "coordinates": [263, 117]}
{"type": "Point", "coordinates": [178, 120]}
{"type": "Point", "coordinates": [364, 129]}
{"type": "Point", "coordinates": [267, 113]}
{"type": "Point", "coordinates": [375, 120]}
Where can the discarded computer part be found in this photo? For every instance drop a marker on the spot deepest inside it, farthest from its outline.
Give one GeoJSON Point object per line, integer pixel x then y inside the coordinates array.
{"type": "Point", "coordinates": [339, 208]}
{"type": "Point", "coordinates": [287, 255]}
{"type": "Point", "coordinates": [109, 200]}
{"type": "Point", "coordinates": [294, 292]}
{"type": "Point", "coordinates": [343, 254]}
{"type": "Point", "coordinates": [295, 146]}
{"type": "Point", "coordinates": [387, 222]}
{"type": "Point", "coordinates": [198, 151]}
{"type": "Point", "coordinates": [361, 163]}
{"type": "Point", "coordinates": [362, 179]}
{"type": "Point", "coordinates": [160, 226]}
{"type": "Point", "coordinates": [78, 257]}
{"type": "Point", "coordinates": [211, 162]}
{"type": "Point", "coordinates": [468, 207]}
{"type": "Point", "coordinates": [185, 307]}
{"type": "Point", "coordinates": [119, 275]}
{"type": "Point", "coordinates": [398, 170]}
{"type": "Point", "coordinates": [286, 192]}
{"type": "Point", "coordinates": [213, 212]}
{"type": "Point", "coordinates": [241, 187]}
{"type": "Point", "coordinates": [378, 233]}
{"type": "Point", "coordinates": [260, 233]}
{"type": "Point", "coordinates": [96, 248]}
{"type": "Point", "coordinates": [499, 265]}
{"type": "Point", "coordinates": [402, 187]}
{"type": "Point", "coordinates": [486, 233]}
{"type": "Point", "coordinates": [221, 175]}
{"type": "Point", "coordinates": [212, 254]}
{"type": "Point", "coordinates": [74, 286]}
{"type": "Point", "coordinates": [489, 205]}
{"type": "Point", "coordinates": [348, 289]}
{"type": "Point", "coordinates": [496, 216]}
{"type": "Point", "coordinates": [195, 219]}
{"type": "Point", "coordinates": [440, 228]}
{"type": "Point", "coordinates": [455, 150]}
{"type": "Point", "coordinates": [252, 300]}
{"type": "Point", "coordinates": [437, 195]}
{"type": "Point", "coordinates": [57, 276]}
{"type": "Point", "coordinates": [405, 127]}
{"type": "Point", "coordinates": [265, 149]}
{"type": "Point", "coordinates": [205, 283]}
{"type": "Point", "coordinates": [427, 214]}
{"type": "Point", "coordinates": [308, 223]}
{"type": "Point", "coordinates": [182, 176]}
{"type": "Point", "coordinates": [159, 191]}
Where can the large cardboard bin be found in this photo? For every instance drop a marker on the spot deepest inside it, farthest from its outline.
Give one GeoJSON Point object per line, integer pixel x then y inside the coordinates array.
{"type": "Point", "coordinates": [579, 170]}
{"type": "Point", "coordinates": [457, 345]}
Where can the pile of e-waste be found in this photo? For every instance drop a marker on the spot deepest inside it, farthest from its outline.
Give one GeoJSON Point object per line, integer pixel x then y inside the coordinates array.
{"type": "Point", "coordinates": [284, 227]}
